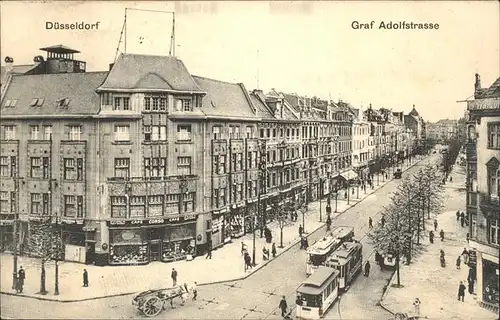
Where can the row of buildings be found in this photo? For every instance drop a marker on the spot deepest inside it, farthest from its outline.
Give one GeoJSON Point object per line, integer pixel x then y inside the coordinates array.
{"type": "Point", "coordinates": [483, 190]}
{"type": "Point", "coordinates": [147, 162]}
{"type": "Point", "coordinates": [442, 130]}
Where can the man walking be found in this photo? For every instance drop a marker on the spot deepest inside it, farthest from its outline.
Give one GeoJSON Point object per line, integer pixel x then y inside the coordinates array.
{"type": "Point", "coordinates": [367, 268]}
{"type": "Point", "coordinates": [435, 225]}
{"type": "Point", "coordinates": [458, 262]}
{"type": "Point", "coordinates": [195, 290]}
{"type": "Point", "coordinates": [370, 222]}
{"type": "Point", "coordinates": [209, 250]}
{"type": "Point", "coordinates": [85, 278]}
{"type": "Point", "coordinates": [283, 306]}
{"type": "Point", "coordinates": [461, 291]}
{"type": "Point", "coordinates": [382, 221]}
{"type": "Point", "coordinates": [301, 230]}
{"type": "Point", "coordinates": [431, 236]}
{"type": "Point", "coordinates": [174, 277]}
{"type": "Point", "coordinates": [273, 250]}
{"type": "Point", "coordinates": [441, 234]}
{"type": "Point", "coordinates": [20, 278]}
{"type": "Point", "coordinates": [248, 261]}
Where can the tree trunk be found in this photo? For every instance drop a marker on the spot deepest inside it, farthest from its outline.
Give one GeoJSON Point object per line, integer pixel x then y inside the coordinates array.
{"type": "Point", "coordinates": [281, 237]}
{"type": "Point", "coordinates": [418, 226]}
{"type": "Point", "coordinates": [397, 268]}
{"type": "Point", "coordinates": [42, 279]}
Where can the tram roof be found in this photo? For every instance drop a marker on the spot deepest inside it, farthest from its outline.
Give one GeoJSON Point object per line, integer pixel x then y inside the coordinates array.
{"type": "Point", "coordinates": [345, 250]}
{"type": "Point", "coordinates": [333, 238]}
{"type": "Point", "coordinates": [317, 281]}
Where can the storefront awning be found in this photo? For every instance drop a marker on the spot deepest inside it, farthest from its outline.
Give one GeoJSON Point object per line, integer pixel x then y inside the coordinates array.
{"type": "Point", "coordinates": [90, 226]}
{"type": "Point", "coordinates": [349, 175]}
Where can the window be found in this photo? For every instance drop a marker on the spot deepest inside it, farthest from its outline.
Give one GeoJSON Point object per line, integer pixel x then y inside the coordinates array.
{"type": "Point", "coordinates": [47, 132]}
{"type": "Point", "coordinates": [219, 164]}
{"type": "Point", "coordinates": [4, 201]}
{"type": "Point", "coordinates": [36, 168]}
{"type": "Point", "coordinates": [494, 231]}
{"type": "Point", "coordinates": [222, 197]}
{"type": "Point", "coordinates": [137, 207]}
{"type": "Point", "coordinates": [34, 131]}
{"type": "Point", "coordinates": [494, 135]}
{"type": "Point", "coordinates": [73, 169]}
{"type": "Point", "coordinates": [106, 99]}
{"type": "Point", "coordinates": [126, 102]}
{"type": "Point", "coordinates": [186, 105]}
{"type": "Point", "coordinates": [122, 167]}
{"type": "Point", "coordinates": [9, 132]}
{"type": "Point", "coordinates": [69, 206]}
{"type": "Point", "coordinates": [36, 102]}
{"type": "Point", "coordinates": [216, 132]}
{"type": "Point", "coordinates": [75, 133]}
{"type": "Point", "coordinates": [4, 167]}
{"type": "Point", "coordinates": [155, 206]}
{"type": "Point", "coordinates": [118, 207]}
{"type": "Point", "coordinates": [155, 167]}
{"type": "Point", "coordinates": [13, 166]}
{"type": "Point", "coordinates": [155, 133]}
{"type": "Point", "coordinates": [36, 204]}
{"type": "Point", "coordinates": [249, 132]}
{"type": "Point", "coordinates": [163, 104]}
{"type": "Point", "coordinates": [155, 103]}
{"type": "Point", "coordinates": [10, 103]}
{"type": "Point", "coordinates": [147, 104]}
{"type": "Point", "coordinates": [184, 132]}
{"type": "Point", "coordinates": [79, 206]}
{"type": "Point", "coordinates": [184, 165]}
{"type": "Point", "coordinates": [117, 104]}
{"type": "Point", "coordinates": [122, 133]}
{"type": "Point", "coordinates": [494, 181]}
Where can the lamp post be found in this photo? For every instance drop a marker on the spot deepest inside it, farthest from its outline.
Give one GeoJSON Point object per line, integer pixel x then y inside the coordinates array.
{"type": "Point", "coordinates": [14, 230]}
{"type": "Point", "coordinates": [261, 185]}
{"type": "Point", "coordinates": [321, 183]}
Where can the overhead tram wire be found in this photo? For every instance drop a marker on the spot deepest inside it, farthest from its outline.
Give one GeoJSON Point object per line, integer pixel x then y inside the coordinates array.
{"type": "Point", "coordinates": [121, 36]}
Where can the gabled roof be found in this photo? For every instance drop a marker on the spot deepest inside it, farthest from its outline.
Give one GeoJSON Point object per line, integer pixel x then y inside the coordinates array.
{"type": "Point", "coordinates": [492, 92]}
{"type": "Point", "coordinates": [79, 88]}
{"type": "Point", "coordinates": [224, 98]}
{"type": "Point", "coordinates": [258, 100]}
{"type": "Point", "coordinates": [136, 71]}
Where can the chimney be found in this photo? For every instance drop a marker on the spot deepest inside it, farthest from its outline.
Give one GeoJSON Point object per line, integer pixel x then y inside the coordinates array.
{"type": "Point", "coordinates": [477, 84]}
{"type": "Point", "coordinates": [9, 63]}
{"type": "Point", "coordinates": [111, 65]}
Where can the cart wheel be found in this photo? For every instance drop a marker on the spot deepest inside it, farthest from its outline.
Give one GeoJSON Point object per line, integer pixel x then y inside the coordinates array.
{"type": "Point", "coordinates": [152, 306]}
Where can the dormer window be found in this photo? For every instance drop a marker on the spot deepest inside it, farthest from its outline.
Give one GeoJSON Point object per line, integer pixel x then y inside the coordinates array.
{"type": "Point", "coordinates": [155, 103]}
{"type": "Point", "coordinates": [10, 103]}
{"type": "Point", "coordinates": [121, 103]}
{"type": "Point", "coordinates": [36, 102]}
{"type": "Point", "coordinates": [106, 99]}
{"type": "Point", "coordinates": [63, 102]}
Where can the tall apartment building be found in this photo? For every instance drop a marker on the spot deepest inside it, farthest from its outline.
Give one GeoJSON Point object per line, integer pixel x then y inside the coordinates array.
{"type": "Point", "coordinates": [483, 189]}
{"type": "Point", "coordinates": [360, 141]}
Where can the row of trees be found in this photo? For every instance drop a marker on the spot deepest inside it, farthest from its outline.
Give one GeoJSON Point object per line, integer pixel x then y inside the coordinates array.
{"type": "Point", "coordinates": [450, 157]}
{"type": "Point", "coordinates": [405, 217]}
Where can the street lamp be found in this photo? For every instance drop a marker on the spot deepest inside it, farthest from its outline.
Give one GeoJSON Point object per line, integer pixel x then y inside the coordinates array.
{"type": "Point", "coordinates": [14, 230]}
{"type": "Point", "coordinates": [261, 185]}
{"type": "Point", "coordinates": [321, 184]}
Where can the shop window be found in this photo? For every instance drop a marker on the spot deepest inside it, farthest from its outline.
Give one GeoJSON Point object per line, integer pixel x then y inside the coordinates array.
{"type": "Point", "coordinates": [118, 207]}
{"type": "Point", "coordinates": [4, 201]}
{"type": "Point", "coordinates": [490, 282]}
{"type": "Point", "coordinates": [69, 206]}
{"type": "Point", "coordinates": [155, 205]}
{"type": "Point", "coordinates": [34, 132]}
{"type": "Point", "coordinates": [137, 206]}
{"type": "Point", "coordinates": [122, 167]}
{"type": "Point", "coordinates": [184, 165]}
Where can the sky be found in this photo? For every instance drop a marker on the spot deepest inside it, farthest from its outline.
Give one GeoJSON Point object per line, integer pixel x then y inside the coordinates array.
{"type": "Point", "coordinates": [304, 47]}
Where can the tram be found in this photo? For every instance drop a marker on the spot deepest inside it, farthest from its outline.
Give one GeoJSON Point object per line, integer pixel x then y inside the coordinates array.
{"type": "Point", "coordinates": [317, 293]}
{"type": "Point", "coordinates": [347, 259]}
{"type": "Point", "coordinates": [323, 248]}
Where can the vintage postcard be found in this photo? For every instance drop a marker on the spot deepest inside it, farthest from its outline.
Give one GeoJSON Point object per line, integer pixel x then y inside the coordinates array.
{"type": "Point", "coordinates": [250, 159]}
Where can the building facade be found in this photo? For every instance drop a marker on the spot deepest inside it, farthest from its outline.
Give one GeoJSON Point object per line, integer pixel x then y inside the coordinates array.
{"type": "Point", "coordinates": [443, 130]}
{"type": "Point", "coordinates": [483, 190]}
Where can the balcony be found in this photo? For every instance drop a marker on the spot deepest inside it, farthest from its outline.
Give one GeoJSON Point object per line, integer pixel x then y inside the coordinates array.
{"type": "Point", "coordinates": [470, 151]}
{"type": "Point", "coordinates": [489, 204]}
{"type": "Point", "coordinates": [471, 199]}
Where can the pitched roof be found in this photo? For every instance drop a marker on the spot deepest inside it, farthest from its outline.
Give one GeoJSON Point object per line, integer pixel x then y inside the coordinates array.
{"type": "Point", "coordinates": [262, 110]}
{"type": "Point", "coordinates": [224, 99]}
{"type": "Point", "coordinates": [16, 69]}
{"type": "Point", "coordinates": [78, 87]}
{"type": "Point", "coordinates": [136, 71]}
{"type": "Point", "coordinates": [492, 92]}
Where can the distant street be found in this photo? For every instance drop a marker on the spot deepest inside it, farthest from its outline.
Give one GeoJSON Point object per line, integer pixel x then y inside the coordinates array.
{"type": "Point", "coordinates": [256, 297]}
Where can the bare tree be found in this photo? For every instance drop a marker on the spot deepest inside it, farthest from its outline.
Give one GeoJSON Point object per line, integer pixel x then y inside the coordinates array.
{"type": "Point", "coordinates": [44, 243]}
{"type": "Point", "coordinates": [280, 212]}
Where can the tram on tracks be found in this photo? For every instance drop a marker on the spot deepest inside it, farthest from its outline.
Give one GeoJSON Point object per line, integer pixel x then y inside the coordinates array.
{"type": "Point", "coordinates": [323, 248]}
{"type": "Point", "coordinates": [317, 294]}
{"type": "Point", "coordinates": [347, 259]}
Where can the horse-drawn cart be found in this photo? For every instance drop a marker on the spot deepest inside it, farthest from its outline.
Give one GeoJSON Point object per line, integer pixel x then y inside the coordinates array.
{"type": "Point", "coordinates": [152, 302]}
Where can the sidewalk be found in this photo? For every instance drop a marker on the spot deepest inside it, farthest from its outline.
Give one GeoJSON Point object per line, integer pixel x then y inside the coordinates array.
{"type": "Point", "coordinates": [436, 287]}
{"type": "Point", "coordinates": [226, 264]}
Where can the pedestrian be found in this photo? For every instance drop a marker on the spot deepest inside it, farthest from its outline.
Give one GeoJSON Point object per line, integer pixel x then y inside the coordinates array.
{"type": "Point", "coordinates": [377, 257]}
{"type": "Point", "coordinates": [194, 289]}
{"type": "Point", "coordinates": [451, 179]}
{"type": "Point", "coordinates": [370, 222]}
{"type": "Point", "coordinates": [18, 284]}
{"type": "Point", "coordinates": [243, 248]}
{"type": "Point", "coordinates": [328, 223]}
{"type": "Point", "coordinates": [461, 291]}
{"type": "Point", "coordinates": [265, 254]}
{"type": "Point", "coordinates": [382, 221]}
{"type": "Point", "coordinates": [20, 278]}
{"type": "Point", "coordinates": [416, 305]}
{"type": "Point", "coordinates": [435, 225]}
{"type": "Point", "coordinates": [174, 277]}
{"type": "Point", "coordinates": [184, 293]}
{"type": "Point", "coordinates": [468, 237]}
{"type": "Point", "coordinates": [248, 261]}
{"type": "Point", "coordinates": [301, 230]}
{"type": "Point", "coordinates": [459, 260]}
{"type": "Point", "coordinates": [273, 250]}
{"type": "Point", "coordinates": [283, 306]}
{"type": "Point", "coordinates": [85, 278]}
{"type": "Point", "coordinates": [441, 234]}
{"type": "Point", "coordinates": [462, 220]}
{"type": "Point", "coordinates": [431, 236]}
{"type": "Point", "coordinates": [458, 215]}
{"type": "Point", "coordinates": [209, 250]}
{"type": "Point", "coordinates": [367, 268]}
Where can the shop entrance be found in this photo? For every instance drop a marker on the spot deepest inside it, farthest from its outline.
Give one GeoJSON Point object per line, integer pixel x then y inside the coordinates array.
{"type": "Point", "coordinates": [155, 250]}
